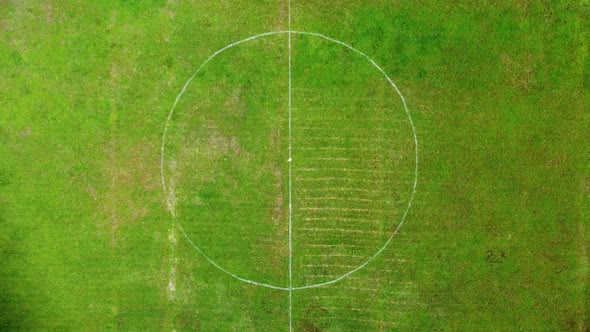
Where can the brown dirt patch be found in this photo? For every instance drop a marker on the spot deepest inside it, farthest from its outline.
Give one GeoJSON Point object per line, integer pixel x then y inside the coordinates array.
{"type": "Point", "coordinates": [131, 179]}
{"type": "Point", "coordinates": [519, 70]}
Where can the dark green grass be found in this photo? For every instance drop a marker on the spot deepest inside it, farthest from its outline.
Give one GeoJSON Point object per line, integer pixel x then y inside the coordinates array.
{"type": "Point", "coordinates": [497, 238]}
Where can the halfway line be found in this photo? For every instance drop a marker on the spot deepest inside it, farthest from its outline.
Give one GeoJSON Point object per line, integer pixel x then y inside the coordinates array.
{"type": "Point", "coordinates": [290, 186]}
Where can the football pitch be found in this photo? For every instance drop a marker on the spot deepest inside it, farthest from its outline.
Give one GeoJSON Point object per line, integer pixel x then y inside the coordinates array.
{"type": "Point", "coordinates": [294, 165]}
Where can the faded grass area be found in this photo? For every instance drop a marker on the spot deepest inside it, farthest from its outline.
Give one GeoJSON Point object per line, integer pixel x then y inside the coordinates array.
{"type": "Point", "coordinates": [128, 170]}
{"type": "Point", "coordinates": [497, 236]}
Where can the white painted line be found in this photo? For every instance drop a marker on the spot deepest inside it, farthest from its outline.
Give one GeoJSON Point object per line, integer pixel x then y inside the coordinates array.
{"type": "Point", "coordinates": [171, 206]}
{"type": "Point", "coordinates": [329, 208]}
{"type": "Point", "coordinates": [356, 220]}
{"type": "Point", "coordinates": [326, 128]}
{"type": "Point", "coordinates": [355, 139]}
{"type": "Point", "coordinates": [329, 148]}
{"type": "Point", "coordinates": [331, 120]}
{"type": "Point", "coordinates": [335, 255]}
{"type": "Point", "coordinates": [334, 159]}
{"type": "Point", "coordinates": [336, 179]}
{"type": "Point", "coordinates": [336, 198]}
{"type": "Point", "coordinates": [346, 170]}
{"type": "Point", "coordinates": [330, 265]}
{"type": "Point", "coordinates": [337, 230]}
{"type": "Point", "coordinates": [290, 180]}
{"type": "Point", "coordinates": [371, 191]}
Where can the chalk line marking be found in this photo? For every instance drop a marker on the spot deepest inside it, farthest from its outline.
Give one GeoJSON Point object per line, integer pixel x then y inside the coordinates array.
{"type": "Point", "coordinates": [169, 201]}
{"type": "Point", "coordinates": [290, 182]}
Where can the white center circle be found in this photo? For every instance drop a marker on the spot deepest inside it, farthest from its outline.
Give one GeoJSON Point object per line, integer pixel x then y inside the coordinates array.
{"type": "Point", "coordinates": [171, 198]}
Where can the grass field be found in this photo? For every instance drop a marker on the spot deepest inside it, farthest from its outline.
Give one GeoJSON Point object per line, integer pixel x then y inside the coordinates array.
{"type": "Point", "coordinates": [497, 236]}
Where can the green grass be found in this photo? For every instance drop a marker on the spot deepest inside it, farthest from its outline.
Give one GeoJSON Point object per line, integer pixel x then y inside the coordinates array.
{"type": "Point", "coordinates": [497, 238]}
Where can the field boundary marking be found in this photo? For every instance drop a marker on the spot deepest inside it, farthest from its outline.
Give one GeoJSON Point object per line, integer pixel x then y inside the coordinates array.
{"type": "Point", "coordinates": [170, 201]}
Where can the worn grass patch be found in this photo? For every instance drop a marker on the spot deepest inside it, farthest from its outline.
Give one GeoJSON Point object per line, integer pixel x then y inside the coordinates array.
{"type": "Point", "coordinates": [497, 237]}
